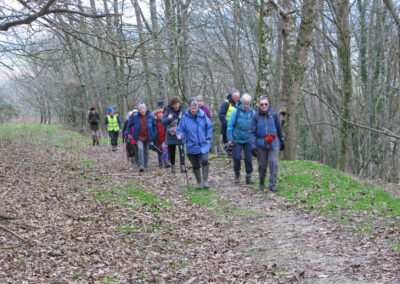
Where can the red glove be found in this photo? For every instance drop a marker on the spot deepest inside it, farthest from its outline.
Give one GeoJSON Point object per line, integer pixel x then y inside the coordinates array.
{"type": "Point", "coordinates": [270, 138]}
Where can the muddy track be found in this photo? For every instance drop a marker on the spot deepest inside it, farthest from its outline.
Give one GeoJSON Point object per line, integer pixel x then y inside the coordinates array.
{"type": "Point", "coordinates": [254, 237]}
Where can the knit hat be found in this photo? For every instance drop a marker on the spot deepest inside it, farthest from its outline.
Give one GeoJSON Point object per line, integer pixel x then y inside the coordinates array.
{"type": "Point", "coordinates": [158, 110]}
{"type": "Point", "coordinates": [110, 109]}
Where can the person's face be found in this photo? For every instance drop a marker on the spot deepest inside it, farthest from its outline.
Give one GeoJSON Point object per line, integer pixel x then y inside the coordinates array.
{"type": "Point", "coordinates": [142, 111]}
{"type": "Point", "coordinates": [264, 105]}
{"type": "Point", "coordinates": [160, 115]}
{"type": "Point", "coordinates": [176, 106]}
{"type": "Point", "coordinates": [235, 97]}
{"type": "Point", "coordinates": [112, 113]}
{"type": "Point", "coordinates": [200, 101]}
{"type": "Point", "coordinates": [93, 110]}
{"type": "Point", "coordinates": [193, 109]}
{"type": "Point", "coordinates": [246, 106]}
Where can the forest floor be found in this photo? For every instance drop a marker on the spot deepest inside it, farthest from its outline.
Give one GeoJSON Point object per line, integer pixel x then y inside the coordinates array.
{"type": "Point", "coordinates": [78, 217]}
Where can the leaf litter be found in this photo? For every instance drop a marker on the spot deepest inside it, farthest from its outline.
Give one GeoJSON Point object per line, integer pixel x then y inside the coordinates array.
{"type": "Point", "coordinates": [71, 223]}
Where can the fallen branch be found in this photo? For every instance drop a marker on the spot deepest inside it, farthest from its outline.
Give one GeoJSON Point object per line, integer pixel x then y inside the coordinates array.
{"type": "Point", "coordinates": [12, 233]}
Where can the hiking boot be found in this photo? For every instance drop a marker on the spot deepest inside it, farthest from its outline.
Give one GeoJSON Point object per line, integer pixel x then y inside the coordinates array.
{"type": "Point", "coordinates": [160, 164]}
{"type": "Point", "coordinates": [261, 186]}
{"type": "Point", "coordinates": [141, 169]}
{"type": "Point", "coordinates": [94, 142]}
{"type": "Point", "coordinates": [97, 142]}
{"type": "Point", "coordinates": [114, 148]}
{"type": "Point", "coordinates": [273, 189]}
{"type": "Point", "coordinates": [204, 171]}
{"type": "Point", "coordinates": [249, 180]}
{"type": "Point", "coordinates": [237, 177]}
{"type": "Point", "coordinates": [197, 174]}
{"type": "Point", "coordinates": [133, 162]}
{"type": "Point", "coordinates": [183, 169]}
{"type": "Point", "coordinates": [167, 164]}
{"type": "Point", "coordinates": [173, 170]}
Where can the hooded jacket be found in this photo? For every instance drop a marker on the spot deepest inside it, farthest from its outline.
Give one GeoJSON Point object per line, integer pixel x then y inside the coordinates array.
{"type": "Point", "coordinates": [195, 130]}
{"type": "Point", "coordinates": [239, 124]}
{"type": "Point", "coordinates": [262, 124]}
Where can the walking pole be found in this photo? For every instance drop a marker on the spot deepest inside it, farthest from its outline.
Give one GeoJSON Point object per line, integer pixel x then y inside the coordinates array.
{"type": "Point", "coordinates": [184, 164]}
{"type": "Point", "coordinates": [123, 154]}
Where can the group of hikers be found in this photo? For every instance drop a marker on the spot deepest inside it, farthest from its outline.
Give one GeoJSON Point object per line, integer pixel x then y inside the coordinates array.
{"type": "Point", "coordinates": [244, 130]}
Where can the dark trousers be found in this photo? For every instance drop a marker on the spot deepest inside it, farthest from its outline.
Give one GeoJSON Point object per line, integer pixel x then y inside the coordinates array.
{"type": "Point", "coordinates": [237, 156]}
{"type": "Point", "coordinates": [268, 157]}
{"type": "Point", "coordinates": [198, 160]}
{"type": "Point", "coordinates": [171, 154]}
{"type": "Point", "coordinates": [224, 128]}
{"type": "Point", "coordinates": [114, 137]}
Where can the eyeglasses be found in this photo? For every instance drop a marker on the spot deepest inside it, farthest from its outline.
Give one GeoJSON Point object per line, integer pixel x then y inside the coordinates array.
{"type": "Point", "coordinates": [266, 104]}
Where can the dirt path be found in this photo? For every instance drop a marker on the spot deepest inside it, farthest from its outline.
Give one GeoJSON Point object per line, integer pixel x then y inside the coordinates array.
{"type": "Point", "coordinates": [80, 230]}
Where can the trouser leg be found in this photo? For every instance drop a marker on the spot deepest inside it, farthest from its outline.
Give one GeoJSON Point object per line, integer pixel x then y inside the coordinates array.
{"type": "Point", "coordinates": [146, 146]}
{"type": "Point", "coordinates": [248, 158]}
{"type": "Point", "coordinates": [237, 156]}
{"type": "Point", "coordinates": [262, 165]}
{"type": "Point", "coordinates": [195, 161]}
{"type": "Point", "coordinates": [140, 146]}
{"type": "Point", "coordinates": [273, 167]}
{"type": "Point", "coordinates": [171, 153]}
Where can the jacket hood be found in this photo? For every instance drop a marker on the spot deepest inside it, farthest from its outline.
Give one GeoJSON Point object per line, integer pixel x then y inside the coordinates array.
{"type": "Point", "coordinates": [200, 113]}
{"type": "Point", "coordinates": [229, 98]}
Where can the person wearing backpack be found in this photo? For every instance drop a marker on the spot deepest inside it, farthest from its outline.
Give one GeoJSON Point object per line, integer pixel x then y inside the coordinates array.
{"type": "Point", "coordinates": [195, 129]}
{"type": "Point", "coordinates": [172, 116]}
{"type": "Point", "coordinates": [238, 137]}
{"type": "Point", "coordinates": [93, 119]}
{"type": "Point", "coordinates": [266, 138]}
{"type": "Point", "coordinates": [131, 147]}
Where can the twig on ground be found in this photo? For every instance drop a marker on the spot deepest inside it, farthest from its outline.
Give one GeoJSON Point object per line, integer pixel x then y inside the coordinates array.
{"type": "Point", "coordinates": [11, 232]}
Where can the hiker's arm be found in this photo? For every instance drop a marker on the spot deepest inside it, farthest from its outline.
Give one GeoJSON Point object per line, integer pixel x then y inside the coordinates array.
{"type": "Point", "coordinates": [231, 123]}
{"type": "Point", "coordinates": [181, 129]}
{"type": "Point", "coordinates": [209, 129]}
{"type": "Point", "coordinates": [279, 130]}
{"type": "Point", "coordinates": [252, 132]}
{"type": "Point", "coordinates": [222, 112]}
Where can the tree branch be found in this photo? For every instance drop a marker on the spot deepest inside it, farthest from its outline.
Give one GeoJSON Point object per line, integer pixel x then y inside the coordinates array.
{"type": "Point", "coordinates": [46, 11]}
{"type": "Point", "coordinates": [384, 131]}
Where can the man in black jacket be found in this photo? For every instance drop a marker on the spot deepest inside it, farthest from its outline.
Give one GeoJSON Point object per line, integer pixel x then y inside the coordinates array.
{"type": "Point", "coordinates": [93, 119]}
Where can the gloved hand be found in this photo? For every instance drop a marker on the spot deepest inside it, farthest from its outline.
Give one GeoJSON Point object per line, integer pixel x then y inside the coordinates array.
{"type": "Point", "coordinates": [282, 146]}
{"type": "Point", "coordinates": [254, 152]}
{"type": "Point", "coordinates": [270, 138]}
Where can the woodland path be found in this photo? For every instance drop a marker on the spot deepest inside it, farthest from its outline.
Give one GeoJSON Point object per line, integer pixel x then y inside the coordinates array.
{"type": "Point", "coordinates": [73, 226]}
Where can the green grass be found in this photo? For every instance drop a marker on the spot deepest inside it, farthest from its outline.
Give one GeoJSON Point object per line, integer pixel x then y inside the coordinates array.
{"type": "Point", "coordinates": [40, 134]}
{"type": "Point", "coordinates": [128, 229]}
{"type": "Point", "coordinates": [133, 197]}
{"type": "Point", "coordinates": [334, 193]}
{"type": "Point", "coordinates": [88, 161]}
{"type": "Point", "coordinates": [205, 198]}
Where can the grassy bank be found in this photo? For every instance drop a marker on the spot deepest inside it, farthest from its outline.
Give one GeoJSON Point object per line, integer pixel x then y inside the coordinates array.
{"type": "Point", "coordinates": [337, 195]}
{"type": "Point", "coordinates": [40, 134]}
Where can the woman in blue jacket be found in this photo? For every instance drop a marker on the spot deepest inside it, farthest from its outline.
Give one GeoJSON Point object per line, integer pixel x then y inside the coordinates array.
{"type": "Point", "coordinates": [195, 128]}
{"type": "Point", "coordinates": [238, 136]}
{"type": "Point", "coordinates": [266, 137]}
